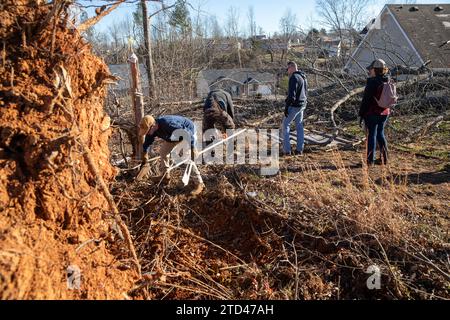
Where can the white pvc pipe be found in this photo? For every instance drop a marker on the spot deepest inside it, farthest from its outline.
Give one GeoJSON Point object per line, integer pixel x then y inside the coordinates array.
{"type": "Point", "coordinates": [207, 149]}
{"type": "Point", "coordinates": [222, 141]}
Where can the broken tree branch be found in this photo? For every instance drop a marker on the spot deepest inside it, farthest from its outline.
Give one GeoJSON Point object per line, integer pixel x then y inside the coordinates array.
{"type": "Point", "coordinates": [90, 22]}
{"type": "Point", "coordinates": [342, 101]}
{"type": "Point", "coordinates": [112, 205]}
{"type": "Point", "coordinates": [66, 83]}
{"type": "Point", "coordinates": [424, 129]}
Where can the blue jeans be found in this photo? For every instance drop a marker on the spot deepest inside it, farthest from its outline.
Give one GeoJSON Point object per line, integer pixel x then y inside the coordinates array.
{"type": "Point", "coordinates": [295, 114]}
{"type": "Point", "coordinates": [375, 125]}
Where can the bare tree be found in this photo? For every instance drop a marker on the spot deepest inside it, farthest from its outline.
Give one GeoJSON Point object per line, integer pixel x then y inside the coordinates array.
{"type": "Point", "coordinates": [288, 24]}
{"type": "Point", "coordinates": [149, 55]}
{"type": "Point", "coordinates": [216, 30]}
{"type": "Point", "coordinates": [200, 25]}
{"type": "Point", "coordinates": [146, 18]}
{"type": "Point", "coordinates": [117, 35]}
{"type": "Point", "coordinates": [260, 30]}
{"type": "Point", "coordinates": [232, 23]}
{"type": "Point", "coordinates": [127, 28]}
{"type": "Point", "coordinates": [251, 22]}
{"type": "Point", "coordinates": [340, 15]}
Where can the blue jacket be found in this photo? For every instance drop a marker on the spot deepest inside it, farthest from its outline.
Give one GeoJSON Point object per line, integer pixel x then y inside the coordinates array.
{"type": "Point", "coordinates": [298, 90]}
{"type": "Point", "coordinates": [166, 126]}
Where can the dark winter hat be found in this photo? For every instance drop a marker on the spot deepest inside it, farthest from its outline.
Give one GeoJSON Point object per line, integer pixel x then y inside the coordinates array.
{"type": "Point", "coordinates": [379, 64]}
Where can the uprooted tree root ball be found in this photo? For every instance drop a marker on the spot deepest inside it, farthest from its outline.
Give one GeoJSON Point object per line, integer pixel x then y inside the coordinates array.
{"type": "Point", "coordinates": [53, 216]}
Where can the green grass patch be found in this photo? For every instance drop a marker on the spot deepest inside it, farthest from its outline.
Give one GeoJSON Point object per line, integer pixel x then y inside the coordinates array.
{"type": "Point", "coordinates": [355, 130]}
{"type": "Point", "coordinates": [438, 153]}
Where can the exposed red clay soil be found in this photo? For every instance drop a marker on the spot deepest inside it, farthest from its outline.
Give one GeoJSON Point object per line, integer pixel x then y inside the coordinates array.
{"type": "Point", "coordinates": [52, 90]}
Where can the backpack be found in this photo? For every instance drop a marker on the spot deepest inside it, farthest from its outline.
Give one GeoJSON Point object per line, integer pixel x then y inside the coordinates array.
{"type": "Point", "coordinates": [388, 97]}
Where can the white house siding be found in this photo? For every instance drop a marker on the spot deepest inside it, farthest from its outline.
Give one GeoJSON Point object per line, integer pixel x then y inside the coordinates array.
{"type": "Point", "coordinates": [264, 90]}
{"type": "Point", "coordinates": [388, 43]}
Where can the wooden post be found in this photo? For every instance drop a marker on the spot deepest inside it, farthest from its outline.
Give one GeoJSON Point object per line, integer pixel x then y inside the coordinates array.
{"type": "Point", "coordinates": [239, 54]}
{"type": "Point", "coordinates": [138, 102]}
{"type": "Point", "coordinates": [248, 89]}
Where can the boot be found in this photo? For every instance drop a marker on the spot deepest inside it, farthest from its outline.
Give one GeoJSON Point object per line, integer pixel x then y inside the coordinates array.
{"type": "Point", "coordinates": [197, 189]}
{"type": "Point", "coordinates": [384, 156]}
{"type": "Point", "coordinates": [143, 172]}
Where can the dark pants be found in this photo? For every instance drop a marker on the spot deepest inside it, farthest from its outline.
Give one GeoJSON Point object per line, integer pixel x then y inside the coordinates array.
{"type": "Point", "coordinates": [375, 126]}
{"type": "Point", "coordinates": [215, 116]}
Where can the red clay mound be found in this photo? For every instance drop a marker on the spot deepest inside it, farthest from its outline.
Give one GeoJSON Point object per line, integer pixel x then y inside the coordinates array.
{"type": "Point", "coordinates": [52, 214]}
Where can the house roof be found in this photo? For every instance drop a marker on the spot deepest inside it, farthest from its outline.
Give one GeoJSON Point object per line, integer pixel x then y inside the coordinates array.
{"type": "Point", "coordinates": [367, 27]}
{"type": "Point", "coordinates": [428, 27]}
{"type": "Point", "coordinates": [239, 75]}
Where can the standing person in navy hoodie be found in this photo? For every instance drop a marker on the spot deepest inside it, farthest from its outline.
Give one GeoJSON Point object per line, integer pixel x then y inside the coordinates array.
{"type": "Point", "coordinates": [372, 114]}
{"type": "Point", "coordinates": [296, 102]}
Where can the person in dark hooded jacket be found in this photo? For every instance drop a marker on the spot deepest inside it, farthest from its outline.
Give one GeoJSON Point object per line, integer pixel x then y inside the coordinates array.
{"type": "Point", "coordinates": [372, 114]}
{"type": "Point", "coordinates": [295, 106]}
{"type": "Point", "coordinates": [218, 110]}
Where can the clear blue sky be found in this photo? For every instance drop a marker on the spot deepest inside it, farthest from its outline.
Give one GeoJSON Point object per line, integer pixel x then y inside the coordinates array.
{"type": "Point", "coordinates": [267, 12]}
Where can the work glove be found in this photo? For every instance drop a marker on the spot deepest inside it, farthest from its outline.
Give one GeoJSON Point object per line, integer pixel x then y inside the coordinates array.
{"type": "Point", "coordinates": [286, 112]}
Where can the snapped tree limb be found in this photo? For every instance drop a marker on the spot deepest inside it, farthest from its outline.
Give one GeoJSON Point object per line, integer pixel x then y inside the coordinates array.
{"type": "Point", "coordinates": [90, 22]}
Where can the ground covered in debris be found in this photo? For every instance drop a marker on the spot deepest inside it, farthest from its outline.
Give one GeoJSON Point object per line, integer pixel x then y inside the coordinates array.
{"type": "Point", "coordinates": [311, 232]}
{"type": "Point", "coordinates": [52, 214]}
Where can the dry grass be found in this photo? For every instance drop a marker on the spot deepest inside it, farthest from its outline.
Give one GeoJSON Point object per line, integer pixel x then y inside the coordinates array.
{"type": "Point", "coordinates": [309, 233]}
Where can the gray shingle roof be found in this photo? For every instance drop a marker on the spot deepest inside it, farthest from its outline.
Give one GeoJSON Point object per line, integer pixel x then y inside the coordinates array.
{"type": "Point", "coordinates": [426, 28]}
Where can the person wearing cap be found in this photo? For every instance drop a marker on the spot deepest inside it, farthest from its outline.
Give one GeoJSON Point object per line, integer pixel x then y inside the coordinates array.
{"type": "Point", "coordinates": [164, 128]}
{"type": "Point", "coordinates": [218, 110]}
{"type": "Point", "coordinates": [295, 106]}
{"type": "Point", "coordinates": [372, 114]}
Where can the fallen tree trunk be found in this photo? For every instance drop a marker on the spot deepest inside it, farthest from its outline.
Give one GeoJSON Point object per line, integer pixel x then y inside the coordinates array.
{"type": "Point", "coordinates": [424, 129]}
{"type": "Point", "coordinates": [266, 119]}
{"type": "Point", "coordinates": [343, 100]}
{"type": "Point", "coordinates": [176, 103]}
